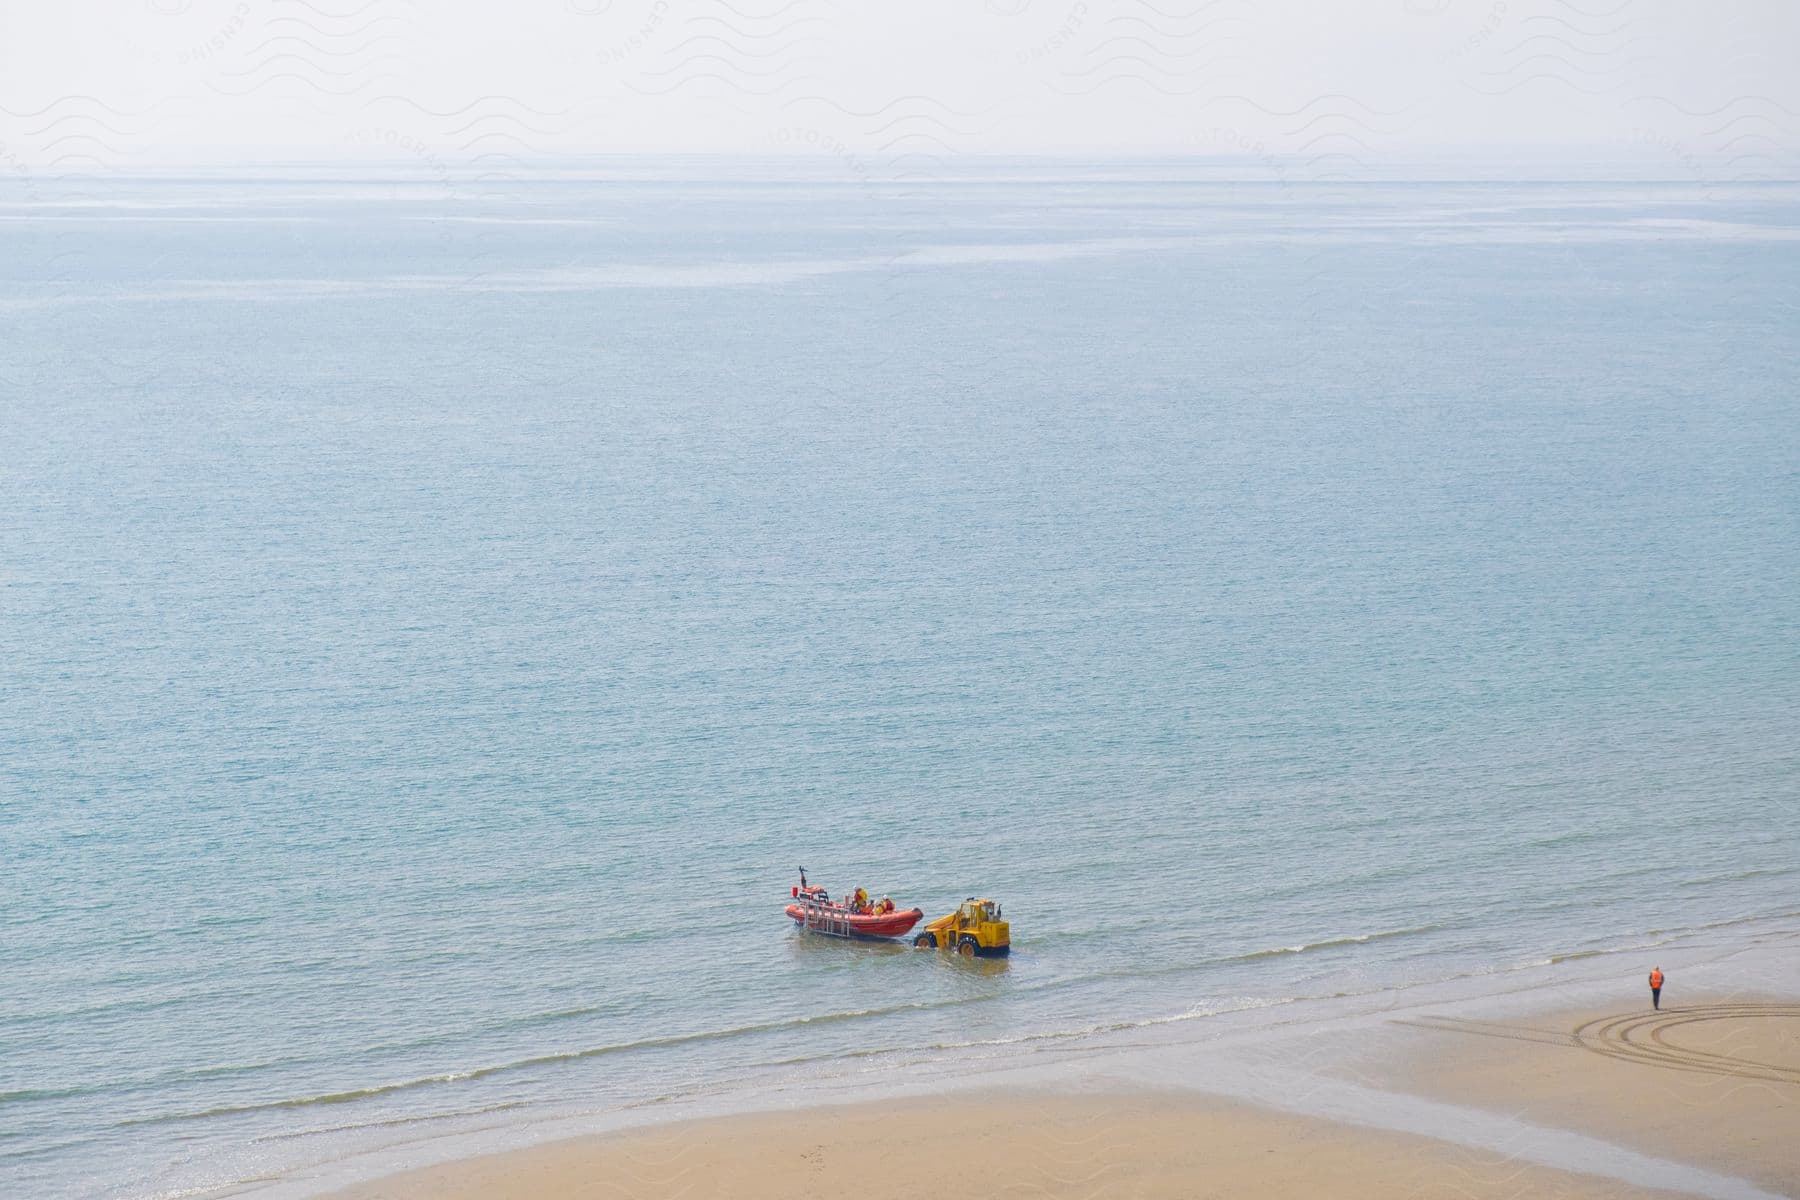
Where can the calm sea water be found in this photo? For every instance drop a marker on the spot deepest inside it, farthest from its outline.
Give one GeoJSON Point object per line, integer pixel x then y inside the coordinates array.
{"type": "Point", "coordinates": [437, 616]}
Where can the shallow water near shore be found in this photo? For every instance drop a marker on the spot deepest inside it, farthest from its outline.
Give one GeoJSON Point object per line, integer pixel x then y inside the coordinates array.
{"type": "Point", "coordinates": [437, 622]}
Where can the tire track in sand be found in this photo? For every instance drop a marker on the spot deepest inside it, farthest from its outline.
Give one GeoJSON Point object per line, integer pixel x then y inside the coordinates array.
{"type": "Point", "coordinates": [1644, 1038]}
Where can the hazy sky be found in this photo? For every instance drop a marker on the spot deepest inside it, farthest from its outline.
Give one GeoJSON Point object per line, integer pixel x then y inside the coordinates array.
{"type": "Point", "coordinates": [1325, 89]}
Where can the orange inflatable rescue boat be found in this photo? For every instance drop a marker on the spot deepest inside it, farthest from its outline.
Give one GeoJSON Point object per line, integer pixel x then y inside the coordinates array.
{"type": "Point", "coordinates": [814, 911]}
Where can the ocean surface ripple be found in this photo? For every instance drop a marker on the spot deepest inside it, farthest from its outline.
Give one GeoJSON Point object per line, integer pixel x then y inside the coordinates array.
{"type": "Point", "coordinates": [430, 645]}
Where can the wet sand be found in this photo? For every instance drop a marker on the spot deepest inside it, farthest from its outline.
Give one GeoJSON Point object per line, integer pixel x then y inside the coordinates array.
{"type": "Point", "coordinates": [1702, 1098]}
{"type": "Point", "coordinates": [1712, 1081]}
{"type": "Point", "coordinates": [1148, 1146]}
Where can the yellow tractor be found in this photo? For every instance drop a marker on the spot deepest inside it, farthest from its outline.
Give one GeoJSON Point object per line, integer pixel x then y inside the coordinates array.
{"type": "Point", "coordinates": [975, 928]}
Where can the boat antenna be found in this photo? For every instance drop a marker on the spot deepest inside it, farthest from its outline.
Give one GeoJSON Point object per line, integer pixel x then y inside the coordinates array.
{"type": "Point", "coordinates": [802, 876]}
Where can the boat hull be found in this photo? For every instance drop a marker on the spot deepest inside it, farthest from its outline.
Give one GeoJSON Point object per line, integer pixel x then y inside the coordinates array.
{"type": "Point", "coordinates": [836, 922]}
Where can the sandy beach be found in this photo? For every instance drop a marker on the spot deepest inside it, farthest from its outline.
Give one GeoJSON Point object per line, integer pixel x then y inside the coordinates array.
{"type": "Point", "coordinates": [1002, 1144]}
{"type": "Point", "coordinates": [1702, 1098]}
{"type": "Point", "coordinates": [1713, 1081]}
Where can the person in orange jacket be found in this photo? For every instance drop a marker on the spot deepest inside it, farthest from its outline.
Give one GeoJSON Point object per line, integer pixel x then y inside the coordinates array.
{"type": "Point", "coordinates": [1656, 978]}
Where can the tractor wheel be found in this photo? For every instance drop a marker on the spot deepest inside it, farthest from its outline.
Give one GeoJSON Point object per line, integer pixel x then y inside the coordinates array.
{"type": "Point", "coordinates": [967, 947]}
{"type": "Point", "coordinates": [926, 941]}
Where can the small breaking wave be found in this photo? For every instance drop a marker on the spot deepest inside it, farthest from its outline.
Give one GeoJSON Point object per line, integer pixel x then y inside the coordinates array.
{"type": "Point", "coordinates": [1736, 876]}
{"type": "Point", "coordinates": [1331, 943]}
{"type": "Point", "coordinates": [350, 1095]}
{"type": "Point", "coordinates": [50, 1093]}
{"type": "Point", "coordinates": [1196, 1013]}
{"type": "Point", "coordinates": [482, 1111]}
